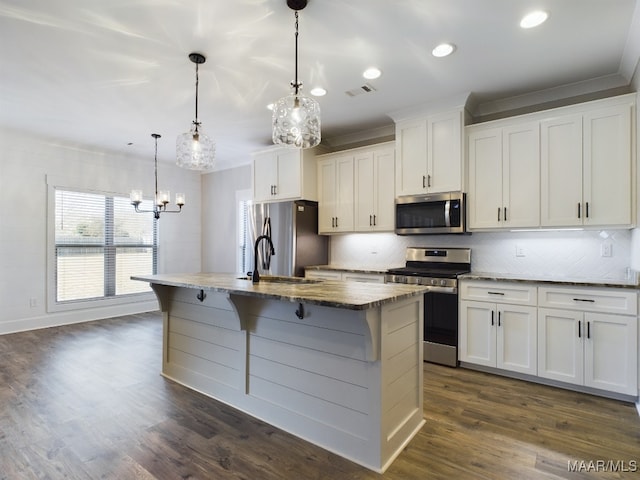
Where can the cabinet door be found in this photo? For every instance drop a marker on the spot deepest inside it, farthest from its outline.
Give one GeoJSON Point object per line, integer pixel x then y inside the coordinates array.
{"type": "Point", "coordinates": [521, 175]}
{"type": "Point", "coordinates": [288, 183]}
{"type": "Point", "coordinates": [327, 193]}
{"type": "Point", "coordinates": [517, 339]}
{"type": "Point", "coordinates": [477, 336]}
{"type": "Point", "coordinates": [365, 192]}
{"type": "Point", "coordinates": [444, 147]}
{"type": "Point", "coordinates": [560, 346]}
{"type": "Point", "coordinates": [484, 199]}
{"type": "Point", "coordinates": [561, 171]}
{"type": "Point", "coordinates": [411, 165]}
{"type": "Point", "coordinates": [384, 220]}
{"type": "Point", "coordinates": [265, 176]}
{"type": "Point", "coordinates": [610, 354]}
{"type": "Point", "coordinates": [607, 166]}
{"type": "Point", "coordinates": [344, 194]}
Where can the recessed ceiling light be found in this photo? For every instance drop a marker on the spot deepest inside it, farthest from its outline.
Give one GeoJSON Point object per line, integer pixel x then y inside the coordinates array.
{"type": "Point", "coordinates": [443, 50]}
{"type": "Point", "coordinates": [534, 19]}
{"type": "Point", "coordinates": [371, 73]}
{"type": "Point", "coordinates": [318, 92]}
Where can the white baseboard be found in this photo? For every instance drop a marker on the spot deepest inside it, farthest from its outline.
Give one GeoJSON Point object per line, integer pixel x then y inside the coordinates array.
{"type": "Point", "coordinates": [76, 316]}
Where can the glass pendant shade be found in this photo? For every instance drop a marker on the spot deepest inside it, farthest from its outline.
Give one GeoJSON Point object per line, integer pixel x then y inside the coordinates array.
{"type": "Point", "coordinates": [195, 150]}
{"type": "Point", "coordinates": [296, 121]}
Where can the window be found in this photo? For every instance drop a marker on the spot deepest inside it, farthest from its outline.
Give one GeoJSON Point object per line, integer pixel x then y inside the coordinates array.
{"type": "Point", "coordinates": [100, 242]}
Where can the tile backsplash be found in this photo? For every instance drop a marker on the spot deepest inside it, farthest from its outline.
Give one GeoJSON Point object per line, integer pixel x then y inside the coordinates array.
{"type": "Point", "coordinates": [572, 253]}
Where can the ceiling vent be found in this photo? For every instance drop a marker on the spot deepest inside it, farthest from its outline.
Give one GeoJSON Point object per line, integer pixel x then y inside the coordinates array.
{"type": "Point", "coordinates": [366, 88]}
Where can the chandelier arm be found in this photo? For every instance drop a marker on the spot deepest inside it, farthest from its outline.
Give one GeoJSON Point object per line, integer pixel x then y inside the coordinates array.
{"type": "Point", "coordinates": [156, 166]}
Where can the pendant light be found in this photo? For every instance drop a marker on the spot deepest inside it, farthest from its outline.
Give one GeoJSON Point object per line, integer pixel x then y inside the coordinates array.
{"type": "Point", "coordinates": [296, 118]}
{"type": "Point", "coordinates": [162, 198]}
{"type": "Point", "coordinates": [194, 149]}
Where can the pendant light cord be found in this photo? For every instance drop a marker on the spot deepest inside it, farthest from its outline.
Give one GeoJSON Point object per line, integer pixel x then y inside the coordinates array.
{"type": "Point", "coordinates": [196, 123]}
{"type": "Point", "coordinates": [156, 170]}
{"type": "Point", "coordinates": [296, 84]}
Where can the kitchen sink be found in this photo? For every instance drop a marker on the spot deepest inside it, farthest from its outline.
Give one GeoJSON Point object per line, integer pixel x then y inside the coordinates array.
{"type": "Point", "coordinates": [282, 279]}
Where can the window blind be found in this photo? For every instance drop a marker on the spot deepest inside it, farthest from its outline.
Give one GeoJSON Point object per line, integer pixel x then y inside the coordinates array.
{"type": "Point", "coordinates": [100, 242]}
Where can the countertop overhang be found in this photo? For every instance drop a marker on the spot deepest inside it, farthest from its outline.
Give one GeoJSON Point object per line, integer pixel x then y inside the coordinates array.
{"type": "Point", "coordinates": [330, 293]}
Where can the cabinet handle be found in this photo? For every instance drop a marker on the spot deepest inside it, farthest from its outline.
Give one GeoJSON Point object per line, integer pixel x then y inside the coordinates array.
{"type": "Point", "coordinates": [579, 329]}
{"type": "Point", "coordinates": [584, 300]}
{"type": "Point", "coordinates": [275, 189]}
{"type": "Point", "coordinates": [579, 211]}
{"type": "Point", "coordinates": [499, 318]}
{"type": "Point", "coordinates": [374, 220]}
{"type": "Point", "coordinates": [495, 293]}
{"type": "Point", "coordinates": [586, 208]}
{"type": "Point", "coordinates": [336, 222]}
{"type": "Point", "coordinates": [370, 220]}
{"type": "Point", "coordinates": [505, 214]}
{"type": "Point", "coordinates": [429, 181]}
{"type": "Point", "coordinates": [492, 314]}
{"type": "Point", "coordinates": [424, 181]}
{"type": "Point", "coordinates": [333, 222]}
{"type": "Point", "coordinates": [588, 329]}
{"type": "Point", "coordinates": [201, 296]}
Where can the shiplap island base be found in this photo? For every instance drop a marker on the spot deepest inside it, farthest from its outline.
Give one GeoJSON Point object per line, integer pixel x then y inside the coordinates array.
{"type": "Point", "coordinates": [338, 364]}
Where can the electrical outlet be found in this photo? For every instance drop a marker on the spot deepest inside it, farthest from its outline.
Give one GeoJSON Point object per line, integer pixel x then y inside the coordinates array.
{"type": "Point", "coordinates": [520, 251]}
{"type": "Point", "coordinates": [606, 250]}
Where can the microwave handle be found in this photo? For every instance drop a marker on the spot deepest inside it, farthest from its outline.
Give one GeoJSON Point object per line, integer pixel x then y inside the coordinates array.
{"type": "Point", "coordinates": [447, 213]}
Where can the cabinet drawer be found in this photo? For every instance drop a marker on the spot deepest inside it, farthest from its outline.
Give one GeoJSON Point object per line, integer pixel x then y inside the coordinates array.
{"type": "Point", "coordinates": [501, 292]}
{"type": "Point", "coordinates": [611, 300]}
{"type": "Point", "coordinates": [362, 277]}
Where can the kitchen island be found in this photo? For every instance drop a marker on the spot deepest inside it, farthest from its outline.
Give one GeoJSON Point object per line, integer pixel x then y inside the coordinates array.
{"type": "Point", "coordinates": [338, 364]}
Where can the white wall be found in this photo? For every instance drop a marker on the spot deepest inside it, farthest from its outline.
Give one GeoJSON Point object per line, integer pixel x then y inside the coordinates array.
{"type": "Point", "coordinates": [25, 163]}
{"type": "Point", "coordinates": [219, 243]}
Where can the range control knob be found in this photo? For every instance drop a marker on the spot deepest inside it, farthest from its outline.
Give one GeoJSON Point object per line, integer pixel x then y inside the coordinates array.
{"type": "Point", "coordinates": [434, 281]}
{"type": "Point", "coordinates": [443, 282]}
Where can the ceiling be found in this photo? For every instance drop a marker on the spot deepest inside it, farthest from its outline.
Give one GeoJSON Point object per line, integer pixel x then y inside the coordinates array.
{"type": "Point", "coordinates": [106, 74]}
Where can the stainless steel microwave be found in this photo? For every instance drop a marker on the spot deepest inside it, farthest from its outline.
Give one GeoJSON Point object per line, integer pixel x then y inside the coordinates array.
{"type": "Point", "coordinates": [436, 213]}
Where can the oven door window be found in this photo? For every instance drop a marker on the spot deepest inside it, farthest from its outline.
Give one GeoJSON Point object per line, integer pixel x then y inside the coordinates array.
{"type": "Point", "coordinates": [441, 318]}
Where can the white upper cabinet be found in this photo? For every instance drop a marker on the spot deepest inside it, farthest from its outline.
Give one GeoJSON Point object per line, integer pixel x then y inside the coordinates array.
{"type": "Point", "coordinates": [586, 164]}
{"type": "Point", "coordinates": [284, 174]}
{"type": "Point", "coordinates": [356, 190]}
{"type": "Point", "coordinates": [335, 185]}
{"type": "Point", "coordinates": [504, 177]}
{"type": "Point", "coordinates": [374, 190]}
{"type": "Point", "coordinates": [566, 167]}
{"type": "Point", "coordinates": [429, 154]}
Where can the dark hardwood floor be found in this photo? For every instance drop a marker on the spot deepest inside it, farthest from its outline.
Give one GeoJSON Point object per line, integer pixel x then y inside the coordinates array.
{"type": "Point", "coordinates": [87, 401]}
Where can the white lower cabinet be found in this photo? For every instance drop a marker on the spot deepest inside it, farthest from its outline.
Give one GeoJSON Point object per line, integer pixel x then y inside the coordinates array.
{"type": "Point", "coordinates": [498, 334]}
{"type": "Point", "coordinates": [581, 336]}
{"type": "Point", "coordinates": [582, 345]}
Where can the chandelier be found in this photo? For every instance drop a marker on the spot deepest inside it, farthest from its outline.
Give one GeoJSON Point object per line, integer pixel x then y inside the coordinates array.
{"type": "Point", "coordinates": [162, 198]}
{"type": "Point", "coordinates": [296, 118]}
{"type": "Point", "coordinates": [194, 149]}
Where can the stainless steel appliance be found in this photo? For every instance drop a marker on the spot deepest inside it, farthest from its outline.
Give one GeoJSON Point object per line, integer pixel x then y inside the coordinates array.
{"type": "Point", "coordinates": [436, 213]}
{"type": "Point", "coordinates": [293, 228]}
{"type": "Point", "coordinates": [437, 268]}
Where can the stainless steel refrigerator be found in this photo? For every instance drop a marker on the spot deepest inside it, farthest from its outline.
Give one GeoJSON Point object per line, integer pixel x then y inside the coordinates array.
{"type": "Point", "coordinates": [293, 228]}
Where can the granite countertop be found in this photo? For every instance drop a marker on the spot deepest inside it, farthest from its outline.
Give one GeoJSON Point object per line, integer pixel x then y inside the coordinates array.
{"type": "Point", "coordinates": [342, 268]}
{"type": "Point", "coordinates": [578, 282]}
{"type": "Point", "coordinates": [331, 293]}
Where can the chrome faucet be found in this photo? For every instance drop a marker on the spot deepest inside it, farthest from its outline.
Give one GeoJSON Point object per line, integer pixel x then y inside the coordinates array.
{"type": "Point", "coordinates": [255, 277]}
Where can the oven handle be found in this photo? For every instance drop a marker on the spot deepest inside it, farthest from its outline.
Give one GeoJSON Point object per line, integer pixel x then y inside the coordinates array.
{"type": "Point", "coordinates": [447, 213]}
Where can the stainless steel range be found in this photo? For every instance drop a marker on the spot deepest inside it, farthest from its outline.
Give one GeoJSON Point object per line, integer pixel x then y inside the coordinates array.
{"type": "Point", "coordinates": [437, 268]}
